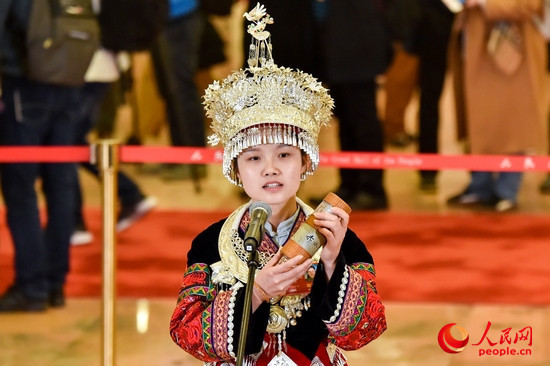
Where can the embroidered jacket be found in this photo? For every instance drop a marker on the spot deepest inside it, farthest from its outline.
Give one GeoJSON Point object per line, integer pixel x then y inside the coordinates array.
{"type": "Point", "coordinates": [345, 312]}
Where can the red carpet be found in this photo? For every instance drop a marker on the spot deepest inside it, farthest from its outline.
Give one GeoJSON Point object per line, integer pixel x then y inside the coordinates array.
{"type": "Point", "coordinates": [467, 258]}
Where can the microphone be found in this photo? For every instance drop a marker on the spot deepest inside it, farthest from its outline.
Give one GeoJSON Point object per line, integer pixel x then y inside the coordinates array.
{"type": "Point", "coordinates": [259, 213]}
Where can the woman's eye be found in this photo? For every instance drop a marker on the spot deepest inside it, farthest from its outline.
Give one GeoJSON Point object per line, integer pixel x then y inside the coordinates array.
{"type": "Point", "coordinates": [284, 155]}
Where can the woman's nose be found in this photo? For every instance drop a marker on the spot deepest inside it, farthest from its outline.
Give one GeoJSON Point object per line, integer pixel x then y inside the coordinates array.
{"type": "Point", "coordinates": [270, 168]}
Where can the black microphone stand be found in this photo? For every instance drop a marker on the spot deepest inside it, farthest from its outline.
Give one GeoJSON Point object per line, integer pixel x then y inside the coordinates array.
{"type": "Point", "coordinates": [250, 246]}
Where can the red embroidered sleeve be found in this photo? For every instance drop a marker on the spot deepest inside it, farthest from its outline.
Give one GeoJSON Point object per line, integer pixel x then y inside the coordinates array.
{"type": "Point", "coordinates": [200, 323]}
{"type": "Point", "coordinates": [359, 317]}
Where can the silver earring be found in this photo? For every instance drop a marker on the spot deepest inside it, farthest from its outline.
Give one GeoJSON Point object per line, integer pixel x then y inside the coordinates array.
{"type": "Point", "coordinates": [303, 177]}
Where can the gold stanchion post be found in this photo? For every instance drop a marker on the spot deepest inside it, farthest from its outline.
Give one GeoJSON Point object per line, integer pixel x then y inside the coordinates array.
{"type": "Point", "coordinates": [106, 154]}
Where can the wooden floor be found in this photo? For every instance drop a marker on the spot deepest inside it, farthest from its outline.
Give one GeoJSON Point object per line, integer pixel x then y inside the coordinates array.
{"type": "Point", "coordinates": [72, 336]}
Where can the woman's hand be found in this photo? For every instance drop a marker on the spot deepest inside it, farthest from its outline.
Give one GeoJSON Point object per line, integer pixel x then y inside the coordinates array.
{"type": "Point", "coordinates": [274, 279]}
{"type": "Point", "coordinates": [333, 225]}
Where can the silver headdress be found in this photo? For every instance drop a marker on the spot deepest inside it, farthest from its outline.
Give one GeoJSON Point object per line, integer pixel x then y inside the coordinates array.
{"type": "Point", "coordinates": [265, 103]}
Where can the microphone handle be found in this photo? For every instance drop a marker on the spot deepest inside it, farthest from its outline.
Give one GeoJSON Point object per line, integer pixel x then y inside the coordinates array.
{"type": "Point", "coordinates": [255, 230]}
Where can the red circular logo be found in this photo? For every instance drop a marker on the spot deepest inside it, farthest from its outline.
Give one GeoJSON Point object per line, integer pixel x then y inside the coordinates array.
{"type": "Point", "coordinates": [450, 344]}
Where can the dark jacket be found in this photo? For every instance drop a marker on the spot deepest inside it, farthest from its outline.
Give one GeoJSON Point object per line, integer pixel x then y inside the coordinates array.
{"type": "Point", "coordinates": [352, 44]}
{"type": "Point", "coordinates": [414, 22]}
{"type": "Point", "coordinates": [14, 18]}
{"type": "Point", "coordinates": [356, 40]}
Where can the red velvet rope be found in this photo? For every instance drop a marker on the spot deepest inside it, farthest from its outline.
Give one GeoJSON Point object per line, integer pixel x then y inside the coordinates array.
{"type": "Point", "coordinates": [353, 160]}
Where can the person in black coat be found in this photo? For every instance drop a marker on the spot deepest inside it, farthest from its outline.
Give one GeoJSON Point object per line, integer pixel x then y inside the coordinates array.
{"type": "Point", "coordinates": [431, 46]}
{"type": "Point", "coordinates": [346, 44]}
{"type": "Point", "coordinates": [35, 113]}
{"type": "Point", "coordinates": [421, 31]}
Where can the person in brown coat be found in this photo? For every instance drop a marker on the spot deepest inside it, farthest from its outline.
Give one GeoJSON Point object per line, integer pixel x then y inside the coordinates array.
{"type": "Point", "coordinates": [501, 92]}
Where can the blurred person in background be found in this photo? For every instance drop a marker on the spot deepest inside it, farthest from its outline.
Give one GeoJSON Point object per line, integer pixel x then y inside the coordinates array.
{"type": "Point", "coordinates": [502, 93]}
{"type": "Point", "coordinates": [354, 48]}
{"type": "Point", "coordinates": [36, 114]}
{"type": "Point", "coordinates": [176, 62]}
{"type": "Point", "coordinates": [99, 102]}
{"type": "Point", "coordinates": [401, 78]}
{"type": "Point", "coordinates": [345, 44]}
{"type": "Point", "coordinates": [422, 29]}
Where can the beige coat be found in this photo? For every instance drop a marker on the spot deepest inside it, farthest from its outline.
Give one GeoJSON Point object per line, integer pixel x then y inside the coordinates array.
{"type": "Point", "coordinates": [499, 113]}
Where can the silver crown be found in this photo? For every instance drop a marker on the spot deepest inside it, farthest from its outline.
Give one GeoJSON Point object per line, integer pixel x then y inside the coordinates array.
{"type": "Point", "coordinates": [266, 103]}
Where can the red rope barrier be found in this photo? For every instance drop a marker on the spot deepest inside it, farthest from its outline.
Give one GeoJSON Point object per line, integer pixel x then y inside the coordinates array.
{"type": "Point", "coordinates": [354, 160]}
{"type": "Point", "coordinates": [58, 154]}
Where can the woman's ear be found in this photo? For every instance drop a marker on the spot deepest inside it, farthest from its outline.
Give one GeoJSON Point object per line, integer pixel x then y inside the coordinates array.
{"type": "Point", "coordinates": [235, 173]}
{"type": "Point", "coordinates": [306, 163]}
{"type": "Point", "coordinates": [304, 168]}
{"type": "Point", "coordinates": [236, 168]}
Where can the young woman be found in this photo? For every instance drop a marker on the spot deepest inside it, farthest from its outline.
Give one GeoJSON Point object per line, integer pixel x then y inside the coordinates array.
{"type": "Point", "coordinates": [268, 119]}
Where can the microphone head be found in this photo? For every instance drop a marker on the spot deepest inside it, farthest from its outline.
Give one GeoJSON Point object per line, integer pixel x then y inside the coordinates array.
{"type": "Point", "coordinates": [260, 205]}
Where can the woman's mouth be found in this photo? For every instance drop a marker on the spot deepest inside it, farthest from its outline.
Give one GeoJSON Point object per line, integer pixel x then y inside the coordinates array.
{"type": "Point", "coordinates": [272, 185]}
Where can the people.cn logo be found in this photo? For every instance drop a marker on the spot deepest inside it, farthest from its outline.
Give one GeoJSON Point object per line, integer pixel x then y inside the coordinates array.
{"type": "Point", "coordinates": [448, 342]}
